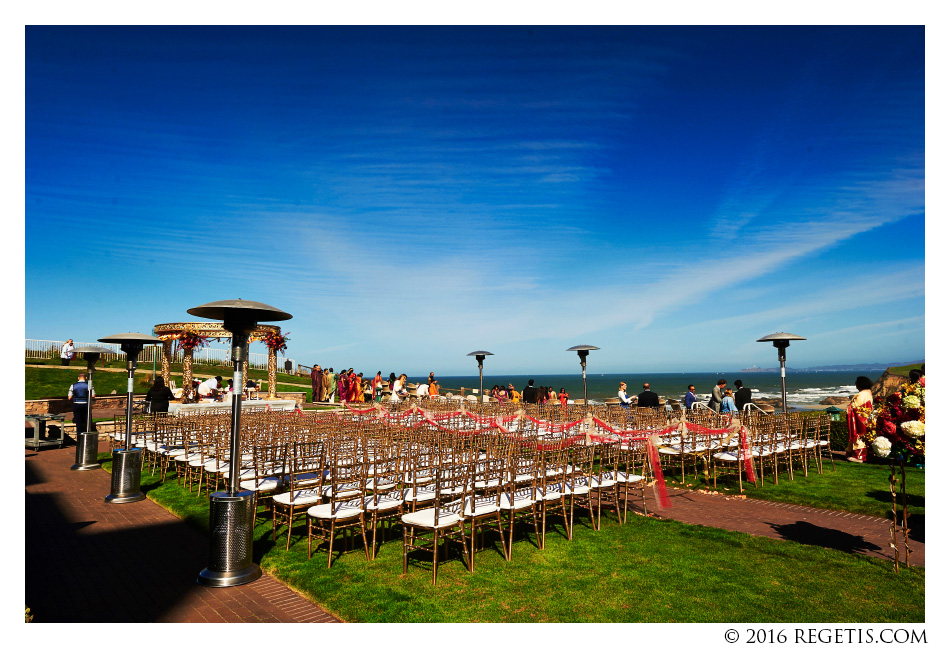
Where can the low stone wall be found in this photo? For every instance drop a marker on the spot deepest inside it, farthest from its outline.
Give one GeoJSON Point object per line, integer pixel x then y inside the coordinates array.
{"type": "Point", "coordinates": [298, 397]}
{"type": "Point", "coordinates": [117, 401]}
{"type": "Point", "coordinates": [63, 406]}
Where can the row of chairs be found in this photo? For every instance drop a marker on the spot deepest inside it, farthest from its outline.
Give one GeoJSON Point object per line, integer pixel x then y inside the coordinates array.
{"type": "Point", "coordinates": [361, 475]}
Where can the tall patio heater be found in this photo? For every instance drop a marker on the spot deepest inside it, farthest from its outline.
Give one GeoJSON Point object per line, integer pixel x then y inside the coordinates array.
{"type": "Point", "coordinates": [127, 463]}
{"type": "Point", "coordinates": [87, 443]}
{"type": "Point", "coordinates": [582, 351]}
{"type": "Point", "coordinates": [780, 341]}
{"type": "Point", "coordinates": [480, 356]}
{"type": "Point", "coordinates": [232, 512]}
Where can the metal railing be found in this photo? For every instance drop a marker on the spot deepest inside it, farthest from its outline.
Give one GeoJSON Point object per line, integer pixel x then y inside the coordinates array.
{"type": "Point", "coordinates": [42, 349]}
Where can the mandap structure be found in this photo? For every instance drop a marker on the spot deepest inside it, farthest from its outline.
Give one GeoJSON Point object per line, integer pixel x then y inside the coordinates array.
{"type": "Point", "coordinates": [183, 332]}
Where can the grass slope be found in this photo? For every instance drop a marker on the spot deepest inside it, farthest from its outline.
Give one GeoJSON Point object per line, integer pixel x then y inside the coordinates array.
{"type": "Point", "coordinates": [647, 570]}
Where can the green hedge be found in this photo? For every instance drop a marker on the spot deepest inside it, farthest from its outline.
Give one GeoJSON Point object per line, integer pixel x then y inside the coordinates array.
{"type": "Point", "coordinates": [839, 435]}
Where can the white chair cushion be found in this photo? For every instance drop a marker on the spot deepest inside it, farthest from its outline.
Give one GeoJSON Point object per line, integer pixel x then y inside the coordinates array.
{"type": "Point", "coordinates": [385, 502]}
{"type": "Point", "coordinates": [478, 506]}
{"type": "Point", "coordinates": [298, 498]}
{"type": "Point", "coordinates": [427, 518]}
{"type": "Point", "coordinates": [264, 485]}
{"type": "Point", "coordinates": [523, 498]}
{"type": "Point", "coordinates": [341, 510]}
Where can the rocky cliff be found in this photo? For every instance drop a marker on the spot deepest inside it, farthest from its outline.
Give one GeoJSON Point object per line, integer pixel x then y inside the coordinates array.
{"type": "Point", "coordinates": [886, 385]}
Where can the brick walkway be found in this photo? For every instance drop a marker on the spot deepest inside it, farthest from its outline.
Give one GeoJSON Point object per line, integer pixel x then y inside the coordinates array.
{"type": "Point", "coordinates": [848, 532]}
{"type": "Point", "coordinates": [91, 561]}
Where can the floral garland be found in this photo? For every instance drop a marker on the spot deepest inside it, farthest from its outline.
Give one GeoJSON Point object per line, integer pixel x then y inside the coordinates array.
{"type": "Point", "coordinates": [189, 341]}
{"type": "Point", "coordinates": [276, 341]}
{"type": "Point", "coordinates": [897, 431]}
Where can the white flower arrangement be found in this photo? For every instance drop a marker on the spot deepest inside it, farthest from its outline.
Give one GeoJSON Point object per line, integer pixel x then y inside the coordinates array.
{"type": "Point", "coordinates": [911, 402]}
{"type": "Point", "coordinates": [913, 429]}
{"type": "Point", "coordinates": [881, 446]}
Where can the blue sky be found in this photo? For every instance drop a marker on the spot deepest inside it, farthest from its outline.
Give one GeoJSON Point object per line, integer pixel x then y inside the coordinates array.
{"type": "Point", "coordinates": [409, 195]}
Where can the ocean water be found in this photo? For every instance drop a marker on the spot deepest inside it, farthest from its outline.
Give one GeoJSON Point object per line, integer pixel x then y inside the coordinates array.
{"type": "Point", "coordinates": [805, 389]}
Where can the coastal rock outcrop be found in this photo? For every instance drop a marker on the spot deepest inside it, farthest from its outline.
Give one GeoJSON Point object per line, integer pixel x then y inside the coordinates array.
{"type": "Point", "coordinates": [836, 400]}
{"type": "Point", "coordinates": [887, 384]}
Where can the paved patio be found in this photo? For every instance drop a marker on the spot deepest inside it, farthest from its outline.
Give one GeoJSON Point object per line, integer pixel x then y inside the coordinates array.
{"type": "Point", "coordinates": [91, 561]}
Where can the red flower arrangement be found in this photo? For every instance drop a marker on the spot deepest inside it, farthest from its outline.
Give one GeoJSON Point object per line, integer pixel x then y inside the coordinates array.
{"type": "Point", "coordinates": [276, 341]}
{"type": "Point", "coordinates": [189, 340]}
{"type": "Point", "coordinates": [898, 429]}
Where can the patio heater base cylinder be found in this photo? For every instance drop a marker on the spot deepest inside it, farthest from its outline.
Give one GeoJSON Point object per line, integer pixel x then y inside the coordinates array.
{"type": "Point", "coordinates": [87, 450]}
{"type": "Point", "coordinates": [230, 554]}
{"type": "Point", "coordinates": [126, 477]}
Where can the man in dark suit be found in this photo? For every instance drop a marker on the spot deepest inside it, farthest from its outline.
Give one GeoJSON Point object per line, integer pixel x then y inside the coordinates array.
{"type": "Point", "coordinates": [743, 395]}
{"type": "Point", "coordinates": [530, 393]}
{"type": "Point", "coordinates": [646, 398]}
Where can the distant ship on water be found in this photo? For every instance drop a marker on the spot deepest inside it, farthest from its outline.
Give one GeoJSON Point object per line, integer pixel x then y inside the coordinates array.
{"type": "Point", "coordinates": [754, 368]}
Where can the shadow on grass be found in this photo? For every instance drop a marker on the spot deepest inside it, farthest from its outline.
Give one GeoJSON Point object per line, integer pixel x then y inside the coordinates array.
{"type": "Point", "coordinates": [885, 496]}
{"type": "Point", "coordinates": [810, 534]}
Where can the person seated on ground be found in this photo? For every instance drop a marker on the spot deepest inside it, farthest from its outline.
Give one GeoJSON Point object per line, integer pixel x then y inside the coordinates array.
{"type": "Point", "coordinates": [625, 401]}
{"type": "Point", "coordinates": [494, 392]}
{"type": "Point", "coordinates": [209, 388]}
{"type": "Point", "coordinates": [646, 398]}
{"type": "Point", "coordinates": [422, 390]}
{"type": "Point", "coordinates": [728, 403]}
{"type": "Point", "coordinates": [433, 387]}
{"type": "Point", "coordinates": [158, 396]}
{"type": "Point", "coordinates": [513, 395]}
{"type": "Point", "coordinates": [743, 395]}
{"type": "Point", "coordinates": [690, 397]}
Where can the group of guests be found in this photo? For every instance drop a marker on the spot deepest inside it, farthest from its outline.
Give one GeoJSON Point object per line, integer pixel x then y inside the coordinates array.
{"type": "Point", "coordinates": [350, 387]}
{"type": "Point", "coordinates": [347, 386]}
{"type": "Point", "coordinates": [723, 399]}
{"type": "Point", "coordinates": [542, 395]}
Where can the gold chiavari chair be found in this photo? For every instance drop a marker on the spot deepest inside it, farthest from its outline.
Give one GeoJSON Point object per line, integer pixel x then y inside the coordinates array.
{"type": "Point", "coordinates": [444, 519]}
{"type": "Point", "coordinates": [303, 485]}
{"type": "Point", "coordinates": [483, 504]}
{"type": "Point", "coordinates": [344, 511]}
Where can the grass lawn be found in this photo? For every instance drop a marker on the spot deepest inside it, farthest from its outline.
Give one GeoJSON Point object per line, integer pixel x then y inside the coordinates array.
{"type": "Point", "coordinates": [854, 487]}
{"type": "Point", "coordinates": [647, 570]}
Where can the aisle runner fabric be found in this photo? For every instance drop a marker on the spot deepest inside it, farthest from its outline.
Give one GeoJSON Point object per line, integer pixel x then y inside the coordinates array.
{"type": "Point", "coordinates": [585, 431]}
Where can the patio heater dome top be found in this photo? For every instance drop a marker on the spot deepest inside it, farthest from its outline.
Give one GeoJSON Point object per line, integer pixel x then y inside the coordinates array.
{"type": "Point", "coordinates": [779, 337]}
{"type": "Point", "coordinates": [239, 311]}
{"type": "Point", "coordinates": [481, 353]}
{"type": "Point", "coordinates": [583, 347]}
{"type": "Point", "coordinates": [90, 348]}
{"type": "Point", "coordinates": [131, 338]}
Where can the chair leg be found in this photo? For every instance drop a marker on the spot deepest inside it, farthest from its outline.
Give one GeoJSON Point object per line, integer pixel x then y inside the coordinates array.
{"type": "Point", "coordinates": [435, 554]}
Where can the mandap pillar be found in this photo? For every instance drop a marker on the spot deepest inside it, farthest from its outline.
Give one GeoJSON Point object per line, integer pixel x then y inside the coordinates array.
{"type": "Point", "coordinates": [271, 373]}
{"type": "Point", "coordinates": [166, 361]}
{"type": "Point", "coordinates": [186, 368]}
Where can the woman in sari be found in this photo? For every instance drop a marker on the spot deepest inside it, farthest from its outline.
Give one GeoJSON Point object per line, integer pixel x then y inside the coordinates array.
{"type": "Point", "coordinates": [343, 386]}
{"type": "Point", "coordinates": [378, 387]}
{"type": "Point", "coordinates": [858, 410]}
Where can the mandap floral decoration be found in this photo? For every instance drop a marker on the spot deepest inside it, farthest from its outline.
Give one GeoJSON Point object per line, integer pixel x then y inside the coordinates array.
{"type": "Point", "coordinates": [897, 431]}
{"type": "Point", "coordinates": [276, 341]}
{"type": "Point", "coordinates": [189, 340]}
